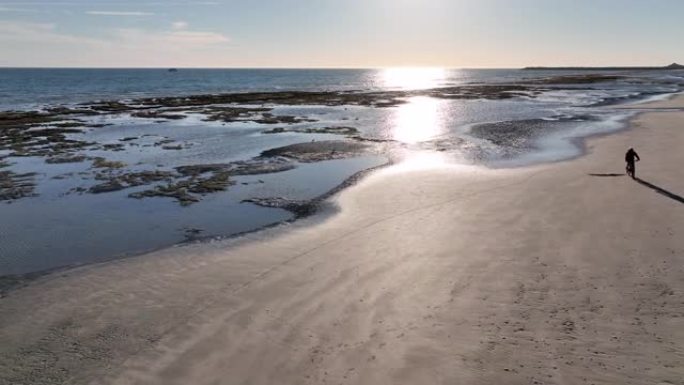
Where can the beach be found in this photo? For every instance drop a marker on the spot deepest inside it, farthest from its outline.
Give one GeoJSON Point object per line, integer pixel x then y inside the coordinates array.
{"type": "Point", "coordinates": [100, 164]}
{"type": "Point", "coordinates": [560, 273]}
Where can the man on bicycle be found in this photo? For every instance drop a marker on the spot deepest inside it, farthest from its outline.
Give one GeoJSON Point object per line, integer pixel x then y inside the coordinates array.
{"type": "Point", "coordinates": [630, 157]}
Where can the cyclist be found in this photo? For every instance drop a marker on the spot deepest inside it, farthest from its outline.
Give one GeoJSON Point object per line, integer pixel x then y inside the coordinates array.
{"type": "Point", "coordinates": [630, 157]}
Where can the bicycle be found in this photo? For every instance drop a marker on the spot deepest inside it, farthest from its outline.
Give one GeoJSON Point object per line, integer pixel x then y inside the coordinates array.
{"type": "Point", "coordinates": [631, 169]}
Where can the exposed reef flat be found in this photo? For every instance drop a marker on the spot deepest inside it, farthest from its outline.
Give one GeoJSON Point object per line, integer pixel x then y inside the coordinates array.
{"type": "Point", "coordinates": [232, 105]}
{"type": "Point", "coordinates": [38, 133]}
{"type": "Point", "coordinates": [57, 135]}
{"type": "Point", "coordinates": [186, 184]}
{"type": "Point", "coordinates": [115, 181]}
{"type": "Point", "coordinates": [518, 137]}
{"type": "Point", "coordinates": [188, 191]}
{"type": "Point", "coordinates": [189, 183]}
{"type": "Point", "coordinates": [15, 186]}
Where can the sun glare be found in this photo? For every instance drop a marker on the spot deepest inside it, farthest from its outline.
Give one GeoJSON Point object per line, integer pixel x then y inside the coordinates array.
{"type": "Point", "coordinates": [418, 120]}
{"type": "Point", "coordinates": [413, 78]}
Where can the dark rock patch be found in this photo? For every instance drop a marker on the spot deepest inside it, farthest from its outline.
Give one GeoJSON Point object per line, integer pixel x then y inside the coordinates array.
{"type": "Point", "coordinates": [318, 151]}
{"type": "Point", "coordinates": [25, 134]}
{"type": "Point", "coordinates": [268, 118]}
{"type": "Point", "coordinates": [106, 187]}
{"type": "Point", "coordinates": [113, 147]}
{"type": "Point", "coordinates": [116, 182]}
{"type": "Point", "coordinates": [186, 191]}
{"type": "Point", "coordinates": [157, 114]}
{"type": "Point", "coordinates": [100, 162]}
{"type": "Point", "coordinates": [178, 191]}
{"type": "Point", "coordinates": [66, 159]}
{"type": "Point", "coordinates": [232, 114]}
{"type": "Point", "coordinates": [335, 130]}
{"type": "Point", "coordinates": [299, 208]}
{"type": "Point", "coordinates": [513, 134]}
{"type": "Point", "coordinates": [16, 186]}
{"type": "Point", "coordinates": [13, 119]}
{"type": "Point", "coordinates": [172, 147]}
{"type": "Point", "coordinates": [247, 167]}
{"type": "Point", "coordinates": [111, 107]}
{"type": "Point", "coordinates": [198, 169]}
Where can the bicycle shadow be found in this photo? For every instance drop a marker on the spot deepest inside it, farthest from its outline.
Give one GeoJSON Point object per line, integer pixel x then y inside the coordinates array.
{"type": "Point", "coordinates": [660, 190]}
{"type": "Point", "coordinates": [607, 175]}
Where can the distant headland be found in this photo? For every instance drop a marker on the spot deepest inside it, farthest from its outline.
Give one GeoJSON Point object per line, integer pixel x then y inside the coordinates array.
{"type": "Point", "coordinates": [673, 66]}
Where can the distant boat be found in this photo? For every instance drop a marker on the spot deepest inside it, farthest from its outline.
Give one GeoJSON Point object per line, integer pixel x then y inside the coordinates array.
{"type": "Point", "coordinates": [173, 69]}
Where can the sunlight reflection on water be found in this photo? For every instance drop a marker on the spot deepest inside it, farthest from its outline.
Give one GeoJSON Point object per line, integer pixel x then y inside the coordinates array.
{"type": "Point", "coordinates": [421, 119]}
{"type": "Point", "coordinates": [411, 78]}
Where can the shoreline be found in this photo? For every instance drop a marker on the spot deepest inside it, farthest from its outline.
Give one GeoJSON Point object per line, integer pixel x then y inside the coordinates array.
{"type": "Point", "coordinates": [314, 207]}
{"type": "Point", "coordinates": [459, 274]}
{"type": "Point", "coordinates": [309, 208]}
{"type": "Point", "coordinates": [165, 152]}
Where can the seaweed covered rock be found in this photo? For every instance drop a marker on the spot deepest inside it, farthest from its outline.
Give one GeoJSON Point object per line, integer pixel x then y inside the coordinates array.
{"type": "Point", "coordinates": [186, 191]}
{"type": "Point", "coordinates": [299, 208]}
{"type": "Point", "coordinates": [100, 162]}
{"type": "Point", "coordinates": [334, 130]}
{"type": "Point", "coordinates": [158, 114]}
{"type": "Point", "coordinates": [16, 186]}
{"type": "Point", "coordinates": [318, 151]}
{"type": "Point", "coordinates": [115, 182]}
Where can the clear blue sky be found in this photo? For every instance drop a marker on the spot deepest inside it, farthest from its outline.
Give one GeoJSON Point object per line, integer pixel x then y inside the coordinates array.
{"type": "Point", "coordinates": [340, 33]}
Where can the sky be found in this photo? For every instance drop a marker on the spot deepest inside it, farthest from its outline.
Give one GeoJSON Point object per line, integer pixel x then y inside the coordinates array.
{"type": "Point", "coordinates": [340, 33]}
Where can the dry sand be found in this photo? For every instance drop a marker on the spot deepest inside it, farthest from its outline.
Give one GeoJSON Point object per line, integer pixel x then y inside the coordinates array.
{"type": "Point", "coordinates": [456, 275]}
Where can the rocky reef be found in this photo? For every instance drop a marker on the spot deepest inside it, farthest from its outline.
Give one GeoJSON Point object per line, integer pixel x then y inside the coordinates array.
{"type": "Point", "coordinates": [189, 191]}
{"type": "Point", "coordinates": [319, 151]}
{"type": "Point", "coordinates": [299, 208]}
{"type": "Point", "coordinates": [516, 137]}
{"type": "Point", "coordinates": [56, 134]}
{"type": "Point", "coordinates": [15, 186]}
{"type": "Point", "coordinates": [335, 130]}
{"type": "Point", "coordinates": [33, 133]}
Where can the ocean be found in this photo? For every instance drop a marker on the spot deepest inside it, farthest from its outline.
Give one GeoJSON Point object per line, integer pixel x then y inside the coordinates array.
{"type": "Point", "coordinates": [97, 164]}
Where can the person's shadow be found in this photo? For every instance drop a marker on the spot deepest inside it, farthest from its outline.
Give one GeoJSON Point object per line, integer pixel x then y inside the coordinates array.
{"type": "Point", "coordinates": [660, 190]}
{"type": "Point", "coordinates": [653, 187]}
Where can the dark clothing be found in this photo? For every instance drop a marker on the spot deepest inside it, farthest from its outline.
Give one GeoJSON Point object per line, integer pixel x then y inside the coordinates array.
{"type": "Point", "coordinates": [630, 156]}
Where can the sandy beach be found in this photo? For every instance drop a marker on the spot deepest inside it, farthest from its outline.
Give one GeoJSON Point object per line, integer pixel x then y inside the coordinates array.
{"type": "Point", "coordinates": [565, 273]}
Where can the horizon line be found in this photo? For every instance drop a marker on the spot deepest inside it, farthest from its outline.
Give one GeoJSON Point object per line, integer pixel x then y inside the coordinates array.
{"type": "Point", "coordinates": [330, 67]}
{"type": "Point", "coordinates": [255, 67]}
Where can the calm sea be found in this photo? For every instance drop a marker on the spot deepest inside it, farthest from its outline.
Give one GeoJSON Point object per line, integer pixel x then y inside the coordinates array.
{"type": "Point", "coordinates": [28, 88]}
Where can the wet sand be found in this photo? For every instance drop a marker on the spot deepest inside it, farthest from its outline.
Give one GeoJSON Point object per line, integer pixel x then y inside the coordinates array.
{"type": "Point", "coordinates": [452, 275]}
